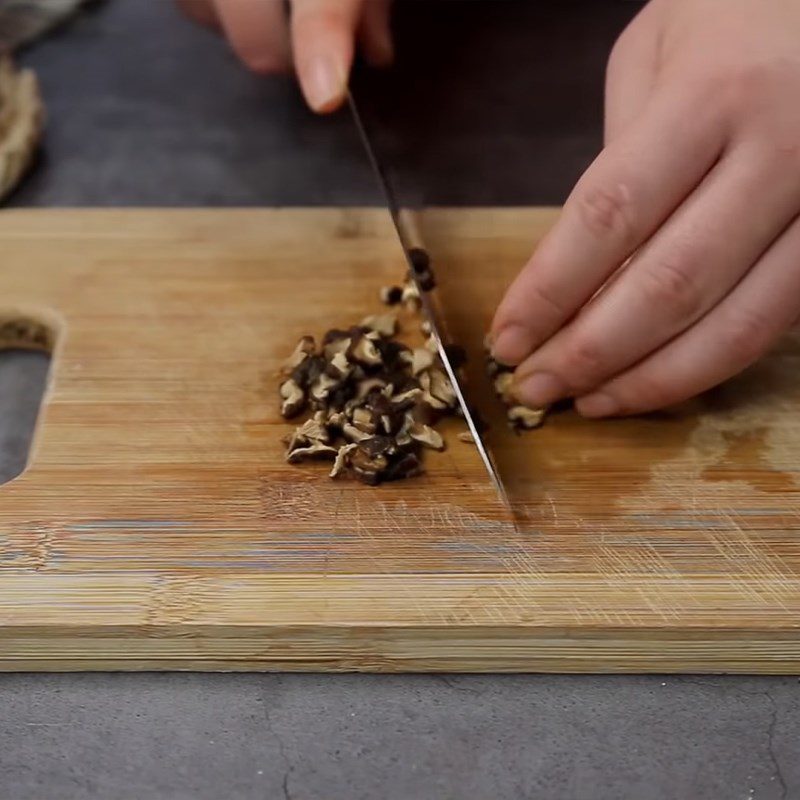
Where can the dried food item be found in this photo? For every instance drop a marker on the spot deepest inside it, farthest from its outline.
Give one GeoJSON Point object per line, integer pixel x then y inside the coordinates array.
{"type": "Point", "coordinates": [21, 122]}
{"type": "Point", "coordinates": [524, 418]}
{"type": "Point", "coordinates": [293, 399]}
{"type": "Point", "coordinates": [384, 324]}
{"type": "Point", "coordinates": [520, 417]}
{"type": "Point", "coordinates": [391, 295]}
{"type": "Point", "coordinates": [374, 402]}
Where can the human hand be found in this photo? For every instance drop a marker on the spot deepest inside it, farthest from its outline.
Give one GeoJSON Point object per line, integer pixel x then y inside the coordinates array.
{"type": "Point", "coordinates": [320, 39]}
{"type": "Point", "coordinates": [699, 184]}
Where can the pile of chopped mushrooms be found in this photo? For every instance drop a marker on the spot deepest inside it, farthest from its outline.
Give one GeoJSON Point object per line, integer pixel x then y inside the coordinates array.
{"type": "Point", "coordinates": [373, 402]}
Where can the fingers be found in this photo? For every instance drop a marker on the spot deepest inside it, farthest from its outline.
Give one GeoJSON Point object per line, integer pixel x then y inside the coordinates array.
{"type": "Point", "coordinates": [258, 33]}
{"type": "Point", "coordinates": [733, 336]}
{"type": "Point", "coordinates": [323, 34]}
{"type": "Point", "coordinates": [632, 187]}
{"type": "Point", "coordinates": [685, 270]}
{"type": "Point", "coordinates": [375, 35]}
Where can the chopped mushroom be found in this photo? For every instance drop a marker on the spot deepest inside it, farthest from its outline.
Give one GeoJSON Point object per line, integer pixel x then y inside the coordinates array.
{"type": "Point", "coordinates": [294, 399]}
{"type": "Point", "coordinates": [466, 437]}
{"type": "Point", "coordinates": [384, 324]}
{"type": "Point", "coordinates": [342, 460]}
{"type": "Point", "coordinates": [421, 359]}
{"type": "Point", "coordinates": [375, 401]}
{"type": "Point", "coordinates": [427, 436]}
{"type": "Point", "coordinates": [391, 295]}
{"type": "Point", "coordinates": [524, 418]}
{"type": "Point", "coordinates": [519, 417]}
{"type": "Point", "coordinates": [305, 347]}
{"type": "Point", "coordinates": [364, 351]}
{"type": "Point", "coordinates": [503, 386]}
{"type": "Point", "coordinates": [410, 297]}
{"type": "Point", "coordinates": [314, 450]}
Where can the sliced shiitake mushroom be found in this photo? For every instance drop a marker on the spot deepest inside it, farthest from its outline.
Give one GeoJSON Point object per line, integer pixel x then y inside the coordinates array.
{"type": "Point", "coordinates": [384, 324]}
{"type": "Point", "coordinates": [524, 418]}
{"type": "Point", "coordinates": [304, 348]}
{"type": "Point", "coordinates": [427, 436]}
{"type": "Point", "coordinates": [421, 359]}
{"type": "Point", "coordinates": [293, 397]}
{"type": "Point", "coordinates": [391, 295]}
{"type": "Point", "coordinates": [313, 451]}
{"type": "Point", "coordinates": [503, 387]}
{"type": "Point", "coordinates": [363, 350]}
{"type": "Point", "coordinates": [342, 460]}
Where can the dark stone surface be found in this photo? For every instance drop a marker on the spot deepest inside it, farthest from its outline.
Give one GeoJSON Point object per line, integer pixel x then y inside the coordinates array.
{"type": "Point", "coordinates": [147, 110]}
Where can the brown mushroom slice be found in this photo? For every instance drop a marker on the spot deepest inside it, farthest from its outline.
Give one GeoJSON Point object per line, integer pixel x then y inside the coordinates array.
{"type": "Point", "coordinates": [428, 397]}
{"type": "Point", "coordinates": [409, 396]}
{"type": "Point", "coordinates": [383, 324]}
{"type": "Point", "coordinates": [503, 387]}
{"type": "Point", "coordinates": [335, 341]}
{"type": "Point", "coordinates": [391, 295]}
{"type": "Point", "coordinates": [441, 388]}
{"type": "Point", "coordinates": [342, 461]}
{"type": "Point", "coordinates": [304, 348]}
{"type": "Point", "coordinates": [339, 367]}
{"type": "Point", "coordinates": [313, 451]}
{"type": "Point", "coordinates": [364, 351]}
{"type": "Point", "coordinates": [368, 385]}
{"type": "Point", "coordinates": [323, 386]}
{"type": "Point", "coordinates": [427, 436]}
{"type": "Point", "coordinates": [336, 420]}
{"type": "Point", "coordinates": [522, 417]}
{"type": "Point", "coordinates": [410, 297]}
{"type": "Point", "coordinates": [354, 434]}
{"type": "Point", "coordinates": [312, 430]}
{"type": "Point", "coordinates": [406, 466]}
{"type": "Point", "coordinates": [467, 437]}
{"type": "Point", "coordinates": [293, 397]}
{"type": "Point", "coordinates": [421, 359]}
{"type": "Point", "coordinates": [368, 468]}
{"type": "Point", "coordinates": [364, 419]}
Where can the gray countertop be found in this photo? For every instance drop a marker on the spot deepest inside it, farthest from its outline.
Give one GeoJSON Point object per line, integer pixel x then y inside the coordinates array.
{"type": "Point", "coordinates": [147, 110]}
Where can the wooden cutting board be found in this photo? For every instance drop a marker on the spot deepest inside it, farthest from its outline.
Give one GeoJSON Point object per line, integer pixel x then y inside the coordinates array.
{"type": "Point", "coordinates": [158, 527]}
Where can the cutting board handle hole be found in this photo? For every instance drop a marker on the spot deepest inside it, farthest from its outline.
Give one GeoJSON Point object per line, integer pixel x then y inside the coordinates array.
{"type": "Point", "coordinates": [25, 347]}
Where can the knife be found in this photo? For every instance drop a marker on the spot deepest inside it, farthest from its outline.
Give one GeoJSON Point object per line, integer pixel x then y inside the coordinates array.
{"type": "Point", "coordinates": [428, 299]}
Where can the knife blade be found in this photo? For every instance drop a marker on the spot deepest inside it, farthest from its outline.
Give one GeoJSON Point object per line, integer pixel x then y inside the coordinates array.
{"type": "Point", "coordinates": [429, 302]}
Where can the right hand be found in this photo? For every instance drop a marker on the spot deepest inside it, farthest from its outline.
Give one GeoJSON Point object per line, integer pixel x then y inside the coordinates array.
{"type": "Point", "coordinates": [319, 41]}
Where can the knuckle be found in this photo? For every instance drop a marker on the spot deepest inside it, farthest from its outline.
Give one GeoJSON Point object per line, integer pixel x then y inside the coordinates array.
{"type": "Point", "coordinates": [585, 363]}
{"type": "Point", "coordinates": [754, 84]}
{"type": "Point", "coordinates": [606, 211]}
{"type": "Point", "coordinates": [671, 285]}
{"type": "Point", "coordinates": [545, 296]}
{"type": "Point", "coordinates": [748, 335]}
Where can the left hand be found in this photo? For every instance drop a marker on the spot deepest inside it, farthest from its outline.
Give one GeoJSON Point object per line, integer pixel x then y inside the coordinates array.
{"type": "Point", "coordinates": [319, 41]}
{"type": "Point", "coordinates": [699, 186]}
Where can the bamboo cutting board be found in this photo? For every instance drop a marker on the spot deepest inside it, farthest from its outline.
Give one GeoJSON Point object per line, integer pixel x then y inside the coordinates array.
{"type": "Point", "coordinates": [158, 527]}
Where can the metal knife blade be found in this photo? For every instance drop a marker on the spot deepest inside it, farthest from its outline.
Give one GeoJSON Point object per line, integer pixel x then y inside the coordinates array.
{"type": "Point", "coordinates": [428, 302]}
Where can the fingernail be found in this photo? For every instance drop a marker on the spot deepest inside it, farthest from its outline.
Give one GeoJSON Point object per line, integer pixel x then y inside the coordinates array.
{"type": "Point", "coordinates": [511, 345]}
{"type": "Point", "coordinates": [323, 83]}
{"type": "Point", "coordinates": [598, 404]}
{"type": "Point", "coordinates": [540, 389]}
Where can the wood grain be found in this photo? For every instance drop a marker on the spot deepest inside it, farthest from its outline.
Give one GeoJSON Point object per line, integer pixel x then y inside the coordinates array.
{"type": "Point", "coordinates": [158, 527]}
